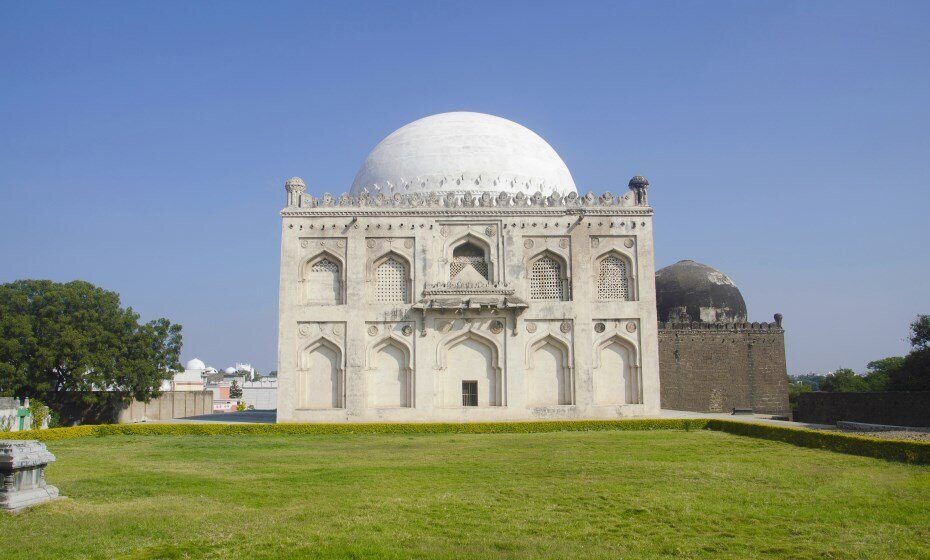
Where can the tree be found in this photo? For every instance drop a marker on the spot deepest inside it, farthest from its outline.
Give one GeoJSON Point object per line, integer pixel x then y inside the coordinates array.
{"type": "Point", "coordinates": [914, 373]}
{"type": "Point", "coordinates": [880, 372]}
{"type": "Point", "coordinates": [235, 391]}
{"type": "Point", "coordinates": [74, 347]}
{"type": "Point", "coordinates": [796, 386]}
{"type": "Point", "coordinates": [844, 380]}
{"type": "Point", "coordinates": [920, 333]}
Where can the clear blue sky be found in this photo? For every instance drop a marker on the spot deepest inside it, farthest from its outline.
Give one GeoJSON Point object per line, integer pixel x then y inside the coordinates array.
{"type": "Point", "coordinates": [144, 145]}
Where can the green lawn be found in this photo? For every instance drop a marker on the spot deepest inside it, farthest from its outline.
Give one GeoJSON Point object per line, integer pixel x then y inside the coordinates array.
{"type": "Point", "coordinates": [659, 494]}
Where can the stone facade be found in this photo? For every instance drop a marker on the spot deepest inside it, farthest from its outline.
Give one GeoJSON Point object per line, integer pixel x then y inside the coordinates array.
{"type": "Point", "coordinates": [718, 367]}
{"type": "Point", "coordinates": [466, 306]}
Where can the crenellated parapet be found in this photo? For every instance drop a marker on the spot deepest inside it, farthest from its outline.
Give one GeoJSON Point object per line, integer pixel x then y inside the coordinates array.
{"type": "Point", "coordinates": [722, 327]}
{"type": "Point", "coordinates": [462, 201]}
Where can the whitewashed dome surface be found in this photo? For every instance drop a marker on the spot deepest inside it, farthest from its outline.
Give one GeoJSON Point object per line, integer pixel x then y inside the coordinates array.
{"type": "Point", "coordinates": [463, 152]}
{"type": "Point", "coordinates": [195, 364]}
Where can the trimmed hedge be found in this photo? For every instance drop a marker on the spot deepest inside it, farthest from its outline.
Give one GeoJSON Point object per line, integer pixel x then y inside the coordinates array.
{"type": "Point", "coordinates": [893, 450]}
{"type": "Point", "coordinates": [917, 452]}
{"type": "Point", "coordinates": [361, 428]}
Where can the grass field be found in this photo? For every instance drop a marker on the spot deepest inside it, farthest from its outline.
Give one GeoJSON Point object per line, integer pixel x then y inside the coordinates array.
{"type": "Point", "coordinates": [656, 494]}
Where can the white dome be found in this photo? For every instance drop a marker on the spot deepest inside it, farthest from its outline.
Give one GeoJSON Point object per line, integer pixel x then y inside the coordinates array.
{"type": "Point", "coordinates": [463, 152]}
{"type": "Point", "coordinates": [195, 364]}
{"type": "Point", "coordinates": [230, 370]}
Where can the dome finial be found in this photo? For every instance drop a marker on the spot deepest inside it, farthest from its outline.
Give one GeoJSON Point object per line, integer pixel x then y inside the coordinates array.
{"type": "Point", "coordinates": [639, 185]}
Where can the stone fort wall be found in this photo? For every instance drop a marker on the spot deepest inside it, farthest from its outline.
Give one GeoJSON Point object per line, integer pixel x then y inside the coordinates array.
{"type": "Point", "coordinates": [900, 408]}
{"type": "Point", "coordinates": [717, 367]}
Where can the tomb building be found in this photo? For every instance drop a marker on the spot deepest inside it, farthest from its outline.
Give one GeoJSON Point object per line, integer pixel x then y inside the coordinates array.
{"type": "Point", "coordinates": [711, 359]}
{"type": "Point", "coordinates": [463, 277]}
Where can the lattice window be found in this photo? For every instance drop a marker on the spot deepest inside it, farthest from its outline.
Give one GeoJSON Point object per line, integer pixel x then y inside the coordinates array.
{"type": "Point", "coordinates": [546, 280]}
{"type": "Point", "coordinates": [468, 254]}
{"type": "Point", "coordinates": [324, 282]}
{"type": "Point", "coordinates": [459, 263]}
{"type": "Point", "coordinates": [391, 281]}
{"type": "Point", "coordinates": [324, 266]}
{"type": "Point", "coordinates": [612, 281]}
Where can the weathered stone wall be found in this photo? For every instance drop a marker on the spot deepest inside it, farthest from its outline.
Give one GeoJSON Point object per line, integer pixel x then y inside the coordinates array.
{"type": "Point", "coordinates": [901, 408]}
{"type": "Point", "coordinates": [171, 404]}
{"type": "Point", "coordinates": [717, 367]}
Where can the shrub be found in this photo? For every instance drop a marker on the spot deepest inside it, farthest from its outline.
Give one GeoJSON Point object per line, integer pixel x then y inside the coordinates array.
{"type": "Point", "coordinates": [892, 450]}
{"type": "Point", "coordinates": [39, 413]}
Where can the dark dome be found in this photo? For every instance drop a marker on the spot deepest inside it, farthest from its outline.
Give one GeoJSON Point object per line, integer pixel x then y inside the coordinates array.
{"type": "Point", "coordinates": [690, 291]}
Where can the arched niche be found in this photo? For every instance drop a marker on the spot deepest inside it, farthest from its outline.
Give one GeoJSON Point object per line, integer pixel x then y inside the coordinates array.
{"type": "Point", "coordinates": [614, 277]}
{"type": "Point", "coordinates": [550, 373]}
{"type": "Point", "coordinates": [322, 279]}
{"type": "Point", "coordinates": [616, 373]}
{"type": "Point", "coordinates": [390, 381]}
{"type": "Point", "coordinates": [391, 278]}
{"type": "Point", "coordinates": [549, 277]}
{"type": "Point", "coordinates": [470, 356]}
{"type": "Point", "coordinates": [321, 376]}
{"type": "Point", "coordinates": [470, 249]}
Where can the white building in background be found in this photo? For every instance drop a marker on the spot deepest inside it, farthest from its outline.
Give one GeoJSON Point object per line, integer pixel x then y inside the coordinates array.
{"type": "Point", "coordinates": [191, 379]}
{"type": "Point", "coordinates": [463, 278]}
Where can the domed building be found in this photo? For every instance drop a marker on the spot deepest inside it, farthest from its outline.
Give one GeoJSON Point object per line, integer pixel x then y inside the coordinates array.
{"type": "Point", "coordinates": [191, 379]}
{"type": "Point", "coordinates": [710, 358]}
{"type": "Point", "coordinates": [689, 290]}
{"type": "Point", "coordinates": [462, 277]}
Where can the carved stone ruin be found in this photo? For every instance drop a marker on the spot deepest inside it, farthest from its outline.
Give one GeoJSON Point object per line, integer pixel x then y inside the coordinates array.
{"type": "Point", "coordinates": [22, 471]}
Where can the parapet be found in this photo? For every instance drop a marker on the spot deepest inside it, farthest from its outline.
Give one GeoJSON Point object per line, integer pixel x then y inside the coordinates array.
{"type": "Point", "coordinates": [465, 199]}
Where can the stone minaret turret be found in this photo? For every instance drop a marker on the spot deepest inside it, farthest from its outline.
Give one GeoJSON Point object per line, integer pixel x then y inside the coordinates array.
{"type": "Point", "coordinates": [295, 188]}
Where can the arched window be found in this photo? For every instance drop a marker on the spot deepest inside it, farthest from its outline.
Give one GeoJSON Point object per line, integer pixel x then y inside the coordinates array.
{"type": "Point", "coordinates": [465, 255]}
{"type": "Point", "coordinates": [391, 282]}
{"type": "Point", "coordinates": [323, 279]}
{"type": "Point", "coordinates": [546, 280]}
{"type": "Point", "coordinates": [612, 280]}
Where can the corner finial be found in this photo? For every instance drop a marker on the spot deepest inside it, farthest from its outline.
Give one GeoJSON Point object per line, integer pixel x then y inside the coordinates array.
{"type": "Point", "coordinates": [639, 185]}
{"type": "Point", "coordinates": [295, 188]}
{"type": "Point", "coordinates": [778, 319]}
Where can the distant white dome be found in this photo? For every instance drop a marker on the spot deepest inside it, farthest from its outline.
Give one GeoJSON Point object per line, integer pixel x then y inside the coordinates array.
{"type": "Point", "coordinates": [463, 152]}
{"type": "Point", "coordinates": [195, 364]}
{"type": "Point", "coordinates": [230, 370]}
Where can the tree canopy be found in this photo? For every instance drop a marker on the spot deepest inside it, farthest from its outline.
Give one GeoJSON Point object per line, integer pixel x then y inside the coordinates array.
{"type": "Point", "coordinates": [65, 341]}
{"type": "Point", "coordinates": [896, 373]}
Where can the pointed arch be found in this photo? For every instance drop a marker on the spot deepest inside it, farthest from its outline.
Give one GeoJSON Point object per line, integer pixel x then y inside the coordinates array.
{"type": "Point", "coordinates": [614, 276]}
{"type": "Point", "coordinates": [549, 279]}
{"type": "Point", "coordinates": [617, 374]}
{"type": "Point", "coordinates": [477, 358]}
{"type": "Point", "coordinates": [467, 246]}
{"type": "Point", "coordinates": [389, 338]}
{"type": "Point", "coordinates": [550, 373]}
{"type": "Point", "coordinates": [321, 375]}
{"type": "Point", "coordinates": [322, 279]}
{"type": "Point", "coordinates": [451, 340]}
{"type": "Point", "coordinates": [392, 278]}
{"type": "Point", "coordinates": [390, 373]}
